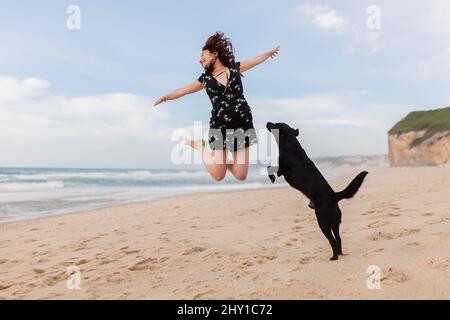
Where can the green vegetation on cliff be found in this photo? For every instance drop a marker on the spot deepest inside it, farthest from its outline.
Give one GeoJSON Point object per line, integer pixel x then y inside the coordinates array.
{"type": "Point", "coordinates": [432, 121]}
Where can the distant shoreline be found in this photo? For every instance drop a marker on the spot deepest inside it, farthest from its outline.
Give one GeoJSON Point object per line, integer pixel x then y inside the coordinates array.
{"type": "Point", "coordinates": [27, 193]}
{"type": "Point", "coordinates": [114, 205]}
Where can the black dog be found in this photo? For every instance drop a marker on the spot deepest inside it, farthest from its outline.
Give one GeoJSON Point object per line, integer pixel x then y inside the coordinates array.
{"type": "Point", "coordinates": [301, 174]}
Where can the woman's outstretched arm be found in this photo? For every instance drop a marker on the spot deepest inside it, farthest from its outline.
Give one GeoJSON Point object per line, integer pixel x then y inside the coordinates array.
{"type": "Point", "coordinates": [178, 93]}
{"type": "Point", "coordinates": [248, 64]}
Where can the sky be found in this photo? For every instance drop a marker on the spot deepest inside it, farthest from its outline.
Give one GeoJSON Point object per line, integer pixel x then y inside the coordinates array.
{"type": "Point", "coordinates": [346, 72]}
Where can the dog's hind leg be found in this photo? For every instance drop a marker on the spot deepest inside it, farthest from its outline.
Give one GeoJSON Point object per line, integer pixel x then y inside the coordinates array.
{"type": "Point", "coordinates": [326, 230]}
{"type": "Point", "coordinates": [336, 230]}
{"type": "Point", "coordinates": [338, 238]}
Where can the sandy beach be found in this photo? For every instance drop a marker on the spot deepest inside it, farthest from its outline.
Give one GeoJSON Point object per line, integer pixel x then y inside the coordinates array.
{"type": "Point", "coordinates": [254, 244]}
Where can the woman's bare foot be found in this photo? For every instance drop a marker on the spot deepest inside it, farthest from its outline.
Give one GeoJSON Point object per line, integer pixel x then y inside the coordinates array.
{"type": "Point", "coordinates": [196, 144]}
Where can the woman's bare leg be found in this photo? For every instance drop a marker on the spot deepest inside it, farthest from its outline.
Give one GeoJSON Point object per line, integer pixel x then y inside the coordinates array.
{"type": "Point", "coordinates": [239, 167]}
{"type": "Point", "coordinates": [215, 161]}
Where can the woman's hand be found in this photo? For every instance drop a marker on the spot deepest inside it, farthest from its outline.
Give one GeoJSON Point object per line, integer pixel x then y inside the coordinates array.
{"type": "Point", "coordinates": [272, 53]}
{"type": "Point", "coordinates": [192, 87]}
{"type": "Point", "coordinates": [248, 64]}
{"type": "Point", "coordinates": [160, 100]}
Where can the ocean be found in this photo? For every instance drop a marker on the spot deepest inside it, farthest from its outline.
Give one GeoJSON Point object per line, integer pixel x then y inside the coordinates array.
{"type": "Point", "coordinates": [35, 192]}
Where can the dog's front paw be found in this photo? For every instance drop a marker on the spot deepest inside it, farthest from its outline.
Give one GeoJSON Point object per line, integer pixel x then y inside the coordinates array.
{"type": "Point", "coordinates": [272, 178]}
{"type": "Point", "coordinates": [334, 258]}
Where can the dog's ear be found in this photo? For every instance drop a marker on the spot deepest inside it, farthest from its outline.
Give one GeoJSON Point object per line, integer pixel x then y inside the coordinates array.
{"type": "Point", "coordinates": [296, 132]}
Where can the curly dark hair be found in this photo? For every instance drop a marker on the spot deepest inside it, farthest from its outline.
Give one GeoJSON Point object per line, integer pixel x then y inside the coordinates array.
{"type": "Point", "coordinates": [223, 46]}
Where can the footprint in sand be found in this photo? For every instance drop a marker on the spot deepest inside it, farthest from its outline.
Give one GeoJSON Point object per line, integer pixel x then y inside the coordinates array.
{"type": "Point", "coordinates": [146, 264]}
{"type": "Point", "coordinates": [377, 224]}
{"type": "Point", "coordinates": [82, 245]}
{"type": "Point", "coordinates": [5, 286]}
{"type": "Point", "coordinates": [393, 214]}
{"type": "Point", "coordinates": [302, 262]}
{"type": "Point", "coordinates": [40, 253]}
{"type": "Point", "coordinates": [441, 263]}
{"type": "Point", "coordinates": [435, 221]}
{"type": "Point", "coordinates": [381, 235]}
{"type": "Point", "coordinates": [373, 252]}
{"type": "Point", "coordinates": [81, 262]}
{"type": "Point", "coordinates": [387, 215]}
{"type": "Point", "coordinates": [54, 279]}
{"type": "Point", "coordinates": [246, 264]}
{"type": "Point", "coordinates": [128, 252]}
{"type": "Point", "coordinates": [305, 260]}
{"type": "Point", "coordinates": [369, 212]}
{"type": "Point", "coordinates": [164, 239]}
{"type": "Point", "coordinates": [392, 275]}
{"type": "Point", "coordinates": [260, 259]}
{"type": "Point", "coordinates": [104, 261]}
{"type": "Point", "coordinates": [164, 259]}
{"type": "Point", "coordinates": [200, 295]}
{"type": "Point", "coordinates": [39, 271]}
{"type": "Point", "coordinates": [192, 250]}
{"type": "Point", "coordinates": [428, 214]}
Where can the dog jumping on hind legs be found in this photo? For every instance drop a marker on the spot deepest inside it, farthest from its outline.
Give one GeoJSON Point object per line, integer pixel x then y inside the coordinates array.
{"type": "Point", "coordinates": [301, 173]}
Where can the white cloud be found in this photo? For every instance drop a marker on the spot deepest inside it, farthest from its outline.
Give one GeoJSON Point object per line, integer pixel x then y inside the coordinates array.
{"type": "Point", "coordinates": [332, 20]}
{"type": "Point", "coordinates": [14, 90]}
{"type": "Point", "coordinates": [36, 125]}
{"type": "Point", "coordinates": [417, 30]}
{"type": "Point", "coordinates": [323, 17]}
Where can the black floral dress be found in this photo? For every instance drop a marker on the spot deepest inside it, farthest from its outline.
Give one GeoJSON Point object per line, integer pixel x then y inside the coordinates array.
{"type": "Point", "coordinates": [231, 122]}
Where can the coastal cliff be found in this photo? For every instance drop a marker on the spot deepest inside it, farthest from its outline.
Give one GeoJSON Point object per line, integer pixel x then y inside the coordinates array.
{"type": "Point", "coordinates": [421, 138]}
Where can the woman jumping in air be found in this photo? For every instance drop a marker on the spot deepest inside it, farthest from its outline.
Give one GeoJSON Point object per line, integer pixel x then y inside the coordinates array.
{"type": "Point", "coordinates": [231, 122]}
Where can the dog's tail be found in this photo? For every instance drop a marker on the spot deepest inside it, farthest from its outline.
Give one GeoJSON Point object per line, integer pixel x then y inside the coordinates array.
{"type": "Point", "coordinates": [352, 188]}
